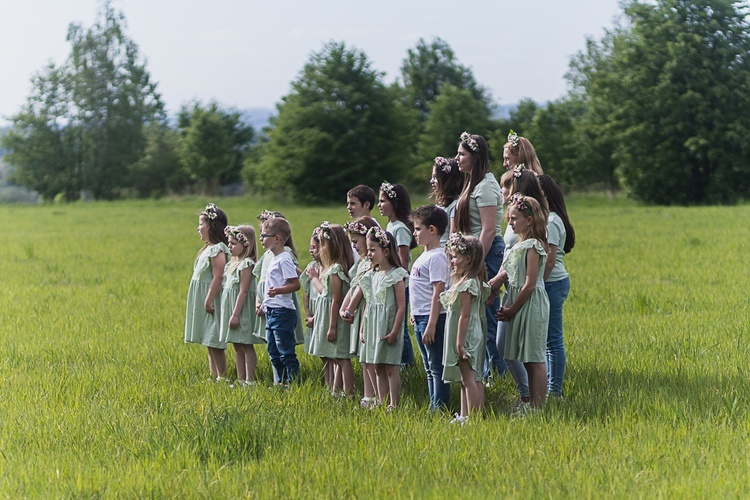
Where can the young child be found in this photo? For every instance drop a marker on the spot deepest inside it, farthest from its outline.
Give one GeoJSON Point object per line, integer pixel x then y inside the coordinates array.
{"type": "Point", "coordinates": [304, 281]}
{"type": "Point", "coordinates": [447, 182]}
{"type": "Point", "coordinates": [350, 312]}
{"type": "Point", "coordinates": [427, 281]}
{"type": "Point", "coordinates": [260, 271]}
{"type": "Point", "coordinates": [561, 239]}
{"type": "Point", "coordinates": [281, 315]}
{"type": "Point", "coordinates": [466, 323]}
{"type": "Point", "coordinates": [385, 310]}
{"type": "Point", "coordinates": [330, 337]}
{"type": "Point", "coordinates": [203, 318]}
{"type": "Point", "coordinates": [238, 301]}
{"type": "Point", "coordinates": [360, 200]}
{"type": "Point", "coordinates": [394, 204]}
{"type": "Point", "coordinates": [527, 306]}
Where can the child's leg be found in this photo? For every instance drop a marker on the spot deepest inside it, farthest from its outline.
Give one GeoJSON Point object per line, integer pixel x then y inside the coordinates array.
{"type": "Point", "coordinates": [239, 359]}
{"type": "Point", "coordinates": [515, 367]}
{"type": "Point", "coordinates": [470, 385]}
{"type": "Point", "coordinates": [251, 361]}
{"type": "Point", "coordinates": [274, 354]}
{"type": "Point", "coordinates": [217, 361]}
{"type": "Point", "coordinates": [382, 382]}
{"type": "Point", "coordinates": [537, 383]}
{"type": "Point", "coordinates": [464, 412]}
{"type": "Point", "coordinates": [442, 390]}
{"type": "Point", "coordinates": [420, 325]}
{"type": "Point", "coordinates": [328, 373]}
{"type": "Point", "coordinates": [370, 380]}
{"type": "Point", "coordinates": [394, 384]}
{"type": "Point", "coordinates": [286, 343]}
{"type": "Point", "coordinates": [347, 375]}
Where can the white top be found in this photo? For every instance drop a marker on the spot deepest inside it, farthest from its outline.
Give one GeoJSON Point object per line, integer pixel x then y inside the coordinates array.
{"type": "Point", "coordinates": [280, 270]}
{"type": "Point", "coordinates": [430, 267]}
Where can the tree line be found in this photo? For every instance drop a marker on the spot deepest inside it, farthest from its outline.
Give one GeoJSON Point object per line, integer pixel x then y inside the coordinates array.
{"type": "Point", "coordinates": [657, 107]}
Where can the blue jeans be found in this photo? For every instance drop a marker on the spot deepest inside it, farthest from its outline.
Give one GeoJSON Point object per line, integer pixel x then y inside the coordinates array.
{"type": "Point", "coordinates": [493, 358]}
{"type": "Point", "coordinates": [280, 324]}
{"type": "Point", "coordinates": [432, 358]}
{"type": "Point", "coordinates": [515, 367]}
{"type": "Point", "coordinates": [557, 291]}
{"type": "Point", "coordinates": [407, 355]}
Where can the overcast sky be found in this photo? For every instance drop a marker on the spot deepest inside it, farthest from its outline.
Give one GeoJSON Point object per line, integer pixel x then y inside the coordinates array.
{"type": "Point", "coordinates": [244, 53]}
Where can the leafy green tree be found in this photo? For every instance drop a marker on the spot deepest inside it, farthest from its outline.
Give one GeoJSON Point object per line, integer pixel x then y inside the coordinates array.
{"type": "Point", "coordinates": [455, 110]}
{"type": "Point", "coordinates": [428, 67]}
{"type": "Point", "coordinates": [159, 170]}
{"type": "Point", "coordinates": [83, 124]}
{"type": "Point", "coordinates": [213, 144]}
{"type": "Point", "coordinates": [339, 127]}
{"type": "Point", "coordinates": [666, 98]}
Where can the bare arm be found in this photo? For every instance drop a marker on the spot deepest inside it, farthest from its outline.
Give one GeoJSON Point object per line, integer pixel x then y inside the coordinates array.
{"type": "Point", "coordinates": [550, 264]}
{"type": "Point", "coordinates": [217, 270]}
{"type": "Point", "coordinates": [292, 285]}
{"type": "Point", "coordinates": [463, 323]}
{"type": "Point", "coordinates": [429, 333]}
{"type": "Point", "coordinates": [399, 289]}
{"type": "Point", "coordinates": [245, 277]}
{"type": "Point", "coordinates": [488, 216]}
{"type": "Point", "coordinates": [403, 254]}
{"type": "Point", "coordinates": [335, 305]}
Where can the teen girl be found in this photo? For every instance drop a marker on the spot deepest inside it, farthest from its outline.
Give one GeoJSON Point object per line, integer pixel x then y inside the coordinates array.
{"type": "Point", "coordinates": [465, 324]}
{"type": "Point", "coordinates": [561, 238]}
{"type": "Point", "coordinates": [519, 151]}
{"type": "Point", "coordinates": [238, 301]}
{"type": "Point", "coordinates": [351, 313]}
{"type": "Point", "coordinates": [330, 336]}
{"type": "Point", "coordinates": [479, 212]}
{"type": "Point", "coordinates": [527, 306]}
{"type": "Point", "coordinates": [394, 204]}
{"type": "Point", "coordinates": [383, 288]}
{"type": "Point", "coordinates": [447, 182]}
{"type": "Point", "coordinates": [203, 318]}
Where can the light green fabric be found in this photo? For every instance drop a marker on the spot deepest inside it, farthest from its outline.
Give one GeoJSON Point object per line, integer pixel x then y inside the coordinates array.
{"type": "Point", "coordinates": [319, 343]}
{"type": "Point", "coordinates": [229, 293]}
{"type": "Point", "coordinates": [380, 316]}
{"type": "Point", "coordinates": [486, 194]}
{"type": "Point", "coordinates": [200, 326]}
{"type": "Point", "coordinates": [556, 236]}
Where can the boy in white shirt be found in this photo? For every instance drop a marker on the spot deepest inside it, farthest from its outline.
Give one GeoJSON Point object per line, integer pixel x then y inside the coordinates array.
{"type": "Point", "coordinates": [429, 277]}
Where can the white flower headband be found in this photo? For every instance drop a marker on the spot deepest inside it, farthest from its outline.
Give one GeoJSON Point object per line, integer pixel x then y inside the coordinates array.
{"type": "Point", "coordinates": [389, 190]}
{"type": "Point", "coordinates": [470, 141]}
{"type": "Point", "coordinates": [380, 236]}
{"type": "Point", "coordinates": [513, 138]}
{"type": "Point", "coordinates": [238, 235]}
{"type": "Point", "coordinates": [210, 211]}
{"type": "Point", "coordinates": [457, 242]}
{"type": "Point", "coordinates": [443, 164]}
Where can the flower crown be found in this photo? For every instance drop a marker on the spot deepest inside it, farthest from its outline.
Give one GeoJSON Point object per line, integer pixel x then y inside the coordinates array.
{"type": "Point", "coordinates": [519, 200]}
{"type": "Point", "coordinates": [518, 170]}
{"type": "Point", "coordinates": [470, 141]}
{"type": "Point", "coordinates": [238, 235]}
{"type": "Point", "coordinates": [513, 138]}
{"type": "Point", "coordinates": [265, 215]}
{"type": "Point", "coordinates": [210, 211]}
{"type": "Point", "coordinates": [323, 230]}
{"type": "Point", "coordinates": [355, 227]}
{"type": "Point", "coordinates": [380, 236]}
{"type": "Point", "coordinates": [389, 190]}
{"type": "Point", "coordinates": [457, 242]}
{"type": "Point", "coordinates": [443, 164]}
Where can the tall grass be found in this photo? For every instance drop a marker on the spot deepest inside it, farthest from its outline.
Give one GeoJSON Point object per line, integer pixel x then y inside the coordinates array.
{"type": "Point", "coordinates": [100, 397]}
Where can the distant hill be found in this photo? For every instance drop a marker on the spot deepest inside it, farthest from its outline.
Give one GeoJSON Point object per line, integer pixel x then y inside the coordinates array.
{"type": "Point", "coordinates": [257, 117]}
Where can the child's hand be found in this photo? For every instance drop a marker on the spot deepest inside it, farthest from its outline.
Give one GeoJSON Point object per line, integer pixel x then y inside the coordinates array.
{"type": "Point", "coordinates": [209, 306]}
{"type": "Point", "coordinates": [429, 335]}
{"type": "Point", "coordinates": [391, 338]}
{"type": "Point", "coordinates": [491, 298]}
{"type": "Point", "coordinates": [259, 309]}
{"type": "Point", "coordinates": [331, 336]}
{"type": "Point", "coordinates": [504, 314]}
{"type": "Point", "coordinates": [461, 351]}
{"type": "Point", "coordinates": [312, 273]}
{"type": "Point", "coordinates": [346, 315]}
{"type": "Point", "coordinates": [273, 291]}
{"type": "Point", "coordinates": [361, 338]}
{"type": "Point", "coordinates": [309, 321]}
{"type": "Point", "coordinates": [234, 322]}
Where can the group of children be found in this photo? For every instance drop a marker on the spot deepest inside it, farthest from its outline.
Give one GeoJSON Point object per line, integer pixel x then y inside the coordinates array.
{"type": "Point", "coordinates": [361, 290]}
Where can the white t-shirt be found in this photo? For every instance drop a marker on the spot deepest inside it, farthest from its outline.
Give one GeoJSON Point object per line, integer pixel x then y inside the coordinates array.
{"type": "Point", "coordinates": [280, 270]}
{"type": "Point", "coordinates": [430, 267]}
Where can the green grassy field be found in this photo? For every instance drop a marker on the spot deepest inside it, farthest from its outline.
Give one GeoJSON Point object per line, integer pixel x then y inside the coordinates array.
{"type": "Point", "coordinates": [100, 397]}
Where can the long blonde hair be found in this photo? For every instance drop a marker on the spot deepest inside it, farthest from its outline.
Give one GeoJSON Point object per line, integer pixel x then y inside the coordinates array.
{"type": "Point", "coordinates": [529, 207]}
{"type": "Point", "coordinates": [250, 249]}
{"type": "Point", "coordinates": [472, 254]}
{"type": "Point", "coordinates": [335, 247]}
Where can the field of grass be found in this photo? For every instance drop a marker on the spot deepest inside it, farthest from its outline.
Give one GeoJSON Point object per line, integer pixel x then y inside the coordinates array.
{"type": "Point", "coordinates": [99, 396]}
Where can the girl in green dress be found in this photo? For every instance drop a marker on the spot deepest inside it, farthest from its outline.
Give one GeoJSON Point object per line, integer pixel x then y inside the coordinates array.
{"type": "Point", "coordinates": [330, 336]}
{"type": "Point", "coordinates": [238, 301]}
{"type": "Point", "coordinates": [465, 323]}
{"type": "Point", "coordinates": [382, 288]}
{"type": "Point", "coordinates": [527, 307]}
{"type": "Point", "coordinates": [202, 319]}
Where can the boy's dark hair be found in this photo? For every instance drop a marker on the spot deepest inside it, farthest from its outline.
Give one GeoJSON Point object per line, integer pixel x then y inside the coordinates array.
{"type": "Point", "coordinates": [431, 215]}
{"type": "Point", "coordinates": [365, 194]}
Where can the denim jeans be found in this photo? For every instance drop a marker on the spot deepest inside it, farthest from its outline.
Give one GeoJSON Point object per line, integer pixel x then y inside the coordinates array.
{"type": "Point", "coordinates": [557, 291]}
{"type": "Point", "coordinates": [432, 358]}
{"type": "Point", "coordinates": [280, 324]}
{"type": "Point", "coordinates": [407, 355]}
{"type": "Point", "coordinates": [493, 358]}
{"type": "Point", "coordinates": [515, 367]}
